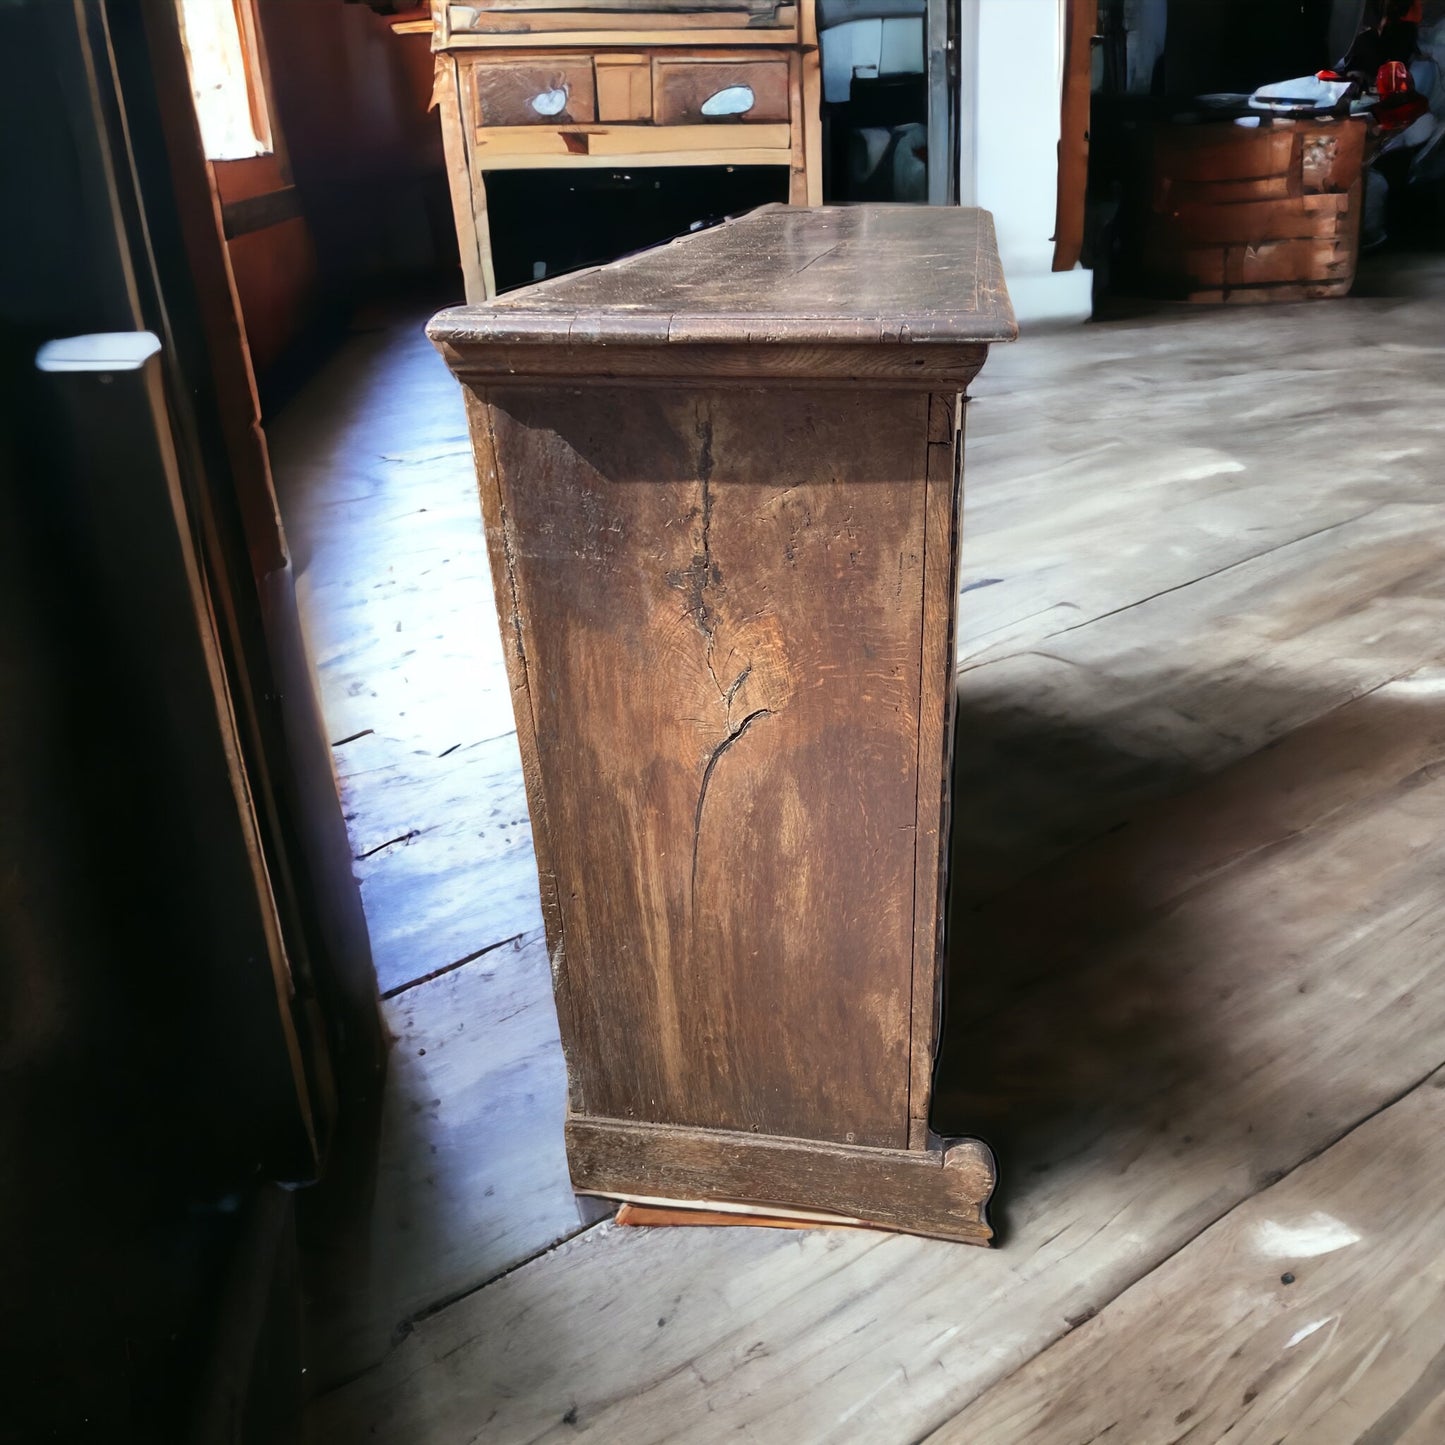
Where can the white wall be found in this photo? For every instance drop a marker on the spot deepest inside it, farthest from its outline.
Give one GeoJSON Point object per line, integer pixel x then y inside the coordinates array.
{"type": "Point", "coordinates": [1009, 134]}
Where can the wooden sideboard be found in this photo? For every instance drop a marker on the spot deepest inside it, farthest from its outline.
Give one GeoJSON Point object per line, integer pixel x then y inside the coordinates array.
{"type": "Point", "coordinates": [547, 84]}
{"type": "Point", "coordinates": [721, 485]}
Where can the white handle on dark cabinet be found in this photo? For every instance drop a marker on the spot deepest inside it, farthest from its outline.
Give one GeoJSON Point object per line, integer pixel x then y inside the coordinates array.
{"type": "Point", "coordinates": [550, 102]}
{"type": "Point", "coordinates": [730, 100]}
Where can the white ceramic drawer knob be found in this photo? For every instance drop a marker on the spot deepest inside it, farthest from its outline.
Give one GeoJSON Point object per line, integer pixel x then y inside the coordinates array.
{"type": "Point", "coordinates": [550, 102]}
{"type": "Point", "coordinates": [730, 100]}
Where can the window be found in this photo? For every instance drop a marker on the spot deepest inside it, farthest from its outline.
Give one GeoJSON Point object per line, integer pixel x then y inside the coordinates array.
{"type": "Point", "coordinates": [224, 54]}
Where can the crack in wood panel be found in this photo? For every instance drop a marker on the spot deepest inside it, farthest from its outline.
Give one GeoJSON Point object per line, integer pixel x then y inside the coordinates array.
{"type": "Point", "coordinates": [738, 937]}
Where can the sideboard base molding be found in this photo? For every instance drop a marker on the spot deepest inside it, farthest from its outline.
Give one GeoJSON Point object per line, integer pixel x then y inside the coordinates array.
{"type": "Point", "coordinates": [942, 1193]}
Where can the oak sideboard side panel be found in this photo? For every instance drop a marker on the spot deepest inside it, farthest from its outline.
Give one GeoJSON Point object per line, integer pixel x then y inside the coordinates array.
{"type": "Point", "coordinates": [727, 769]}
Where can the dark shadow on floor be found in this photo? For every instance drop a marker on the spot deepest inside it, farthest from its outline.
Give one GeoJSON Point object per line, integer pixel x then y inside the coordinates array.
{"type": "Point", "coordinates": [1080, 1001]}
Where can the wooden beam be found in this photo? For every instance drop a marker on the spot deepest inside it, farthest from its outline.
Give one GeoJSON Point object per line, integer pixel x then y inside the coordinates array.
{"type": "Point", "coordinates": [1080, 24]}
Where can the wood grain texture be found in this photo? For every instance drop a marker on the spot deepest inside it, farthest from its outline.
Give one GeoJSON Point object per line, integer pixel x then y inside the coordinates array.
{"type": "Point", "coordinates": [593, 31]}
{"type": "Point", "coordinates": [624, 88]}
{"type": "Point", "coordinates": [687, 147]}
{"type": "Point", "coordinates": [798, 166]}
{"type": "Point", "coordinates": [1253, 222]}
{"type": "Point", "coordinates": [787, 732]}
{"type": "Point", "coordinates": [1092, 726]}
{"type": "Point", "coordinates": [643, 10]}
{"type": "Point", "coordinates": [937, 695]}
{"type": "Point", "coordinates": [640, 10]}
{"type": "Point", "coordinates": [633, 16]}
{"type": "Point", "coordinates": [468, 1175]}
{"type": "Point", "coordinates": [1049, 552]}
{"type": "Point", "coordinates": [1218, 153]}
{"type": "Point", "coordinates": [441, 847]}
{"type": "Point", "coordinates": [1037, 927]}
{"type": "Point", "coordinates": [519, 92]}
{"type": "Point", "coordinates": [826, 366]}
{"type": "Point", "coordinates": [682, 87]}
{"type": "Point", "coordinates": [512, 147]}
{"type": "Point", "coordinates": [519, 683]}
{"type": "Point", "coordinates": [812, 102]}
{"type": "Point", "coordinates": [1270, 263]}
{"type": "Point", "coordinates": [913, 1191]}
{"type": "Point", "coordinates": [1266, 215]}
{"type": "Point", "coordinates": [1081, 20]}
{"type": "Point", "coordinates": [1314, 1314]}
{"type": "Point", "coordinates": [779, 276]}
{"type": "Point", "coordinates": [1226, 192]}
{"type": "Point", "coordinates": [1266, 293]}
{"type": "Point", "coordinates": [391, 578]}
{"type": "Point", "coordinates": [468, 194]}
{"type": "Point", "coordinates": [1239, 544]}
{"type": "Point", "coordinates": [669, 1216]}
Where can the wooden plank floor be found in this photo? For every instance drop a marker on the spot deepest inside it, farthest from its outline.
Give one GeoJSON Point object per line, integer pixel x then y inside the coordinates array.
{"type": "Point", "coordinates": [1323, 1320]}
{"type": "Point", "coordinates": [1198, 914]}
{"type": "Point", "coordinates": [468, 1178]}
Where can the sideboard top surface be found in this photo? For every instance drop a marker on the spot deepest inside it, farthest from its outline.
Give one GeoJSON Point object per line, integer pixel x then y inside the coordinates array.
{"type": "Point", "coordinates": [783, 275]}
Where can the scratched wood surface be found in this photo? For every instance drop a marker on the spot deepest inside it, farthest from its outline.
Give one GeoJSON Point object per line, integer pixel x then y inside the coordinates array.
{"type": "Point", "coordinates": [719, 599]}
{"type": "Point", "coordinates": [780, 275]}
{"type": "Point", "coordinates": [1314, 1314]}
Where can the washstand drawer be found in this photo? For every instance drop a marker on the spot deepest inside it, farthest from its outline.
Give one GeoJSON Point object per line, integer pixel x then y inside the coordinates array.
{"type": "Point", "coordinates": [726, 92]}
{"type": "Point", "coordinates": [559, 90]}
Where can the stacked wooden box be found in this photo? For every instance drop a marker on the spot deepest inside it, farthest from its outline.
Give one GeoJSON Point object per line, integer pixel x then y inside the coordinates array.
{"type": "Point", "coordinates": [1267, 213]}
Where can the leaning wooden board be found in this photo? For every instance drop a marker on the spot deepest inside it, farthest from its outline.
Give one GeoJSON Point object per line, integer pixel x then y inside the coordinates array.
{"type": "Point", "coordinates": [720, 483]}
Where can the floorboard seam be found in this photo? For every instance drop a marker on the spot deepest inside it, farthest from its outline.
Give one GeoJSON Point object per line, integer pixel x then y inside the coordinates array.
{"type": "Point", "coordinates": [501, 1274]}
{"type": "Point", "coordinates": [405, 1326]}
{"type": "Point", "coordinates": [1266, 1183]}
{"type": "Point", "coordinates": [1178, 587]}
{"type": "Point", "coordinates": [447, 968]}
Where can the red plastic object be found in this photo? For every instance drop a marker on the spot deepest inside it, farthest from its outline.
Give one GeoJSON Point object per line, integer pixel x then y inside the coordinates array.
{"type": "Point", "coordinates": [1395, 112]}
{"type": "Point", "coordinates": [1393, 78]}
{"type": "Point", "coordinates": [1400, 103]}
